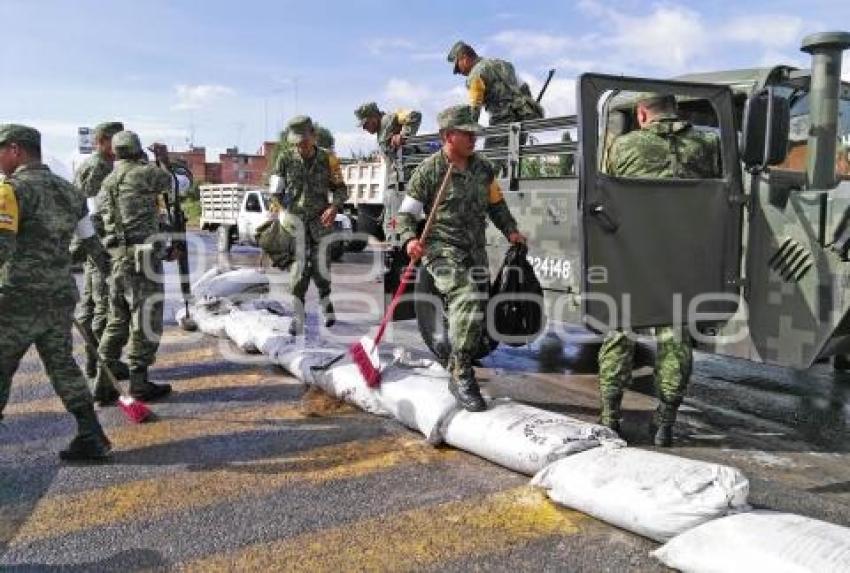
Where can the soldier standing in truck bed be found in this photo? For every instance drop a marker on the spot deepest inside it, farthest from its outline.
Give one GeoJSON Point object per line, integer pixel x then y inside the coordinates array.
{"type": "Point", "coordinates": [391, 128]}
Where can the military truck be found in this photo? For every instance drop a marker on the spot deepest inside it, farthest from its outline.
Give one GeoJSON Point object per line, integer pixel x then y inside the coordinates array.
{"type": "Point", "coordinates": [367, 183]}
{"type": "Point", "coordinates": [755, 261]}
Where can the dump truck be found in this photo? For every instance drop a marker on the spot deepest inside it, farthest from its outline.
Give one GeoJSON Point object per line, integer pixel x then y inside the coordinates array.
{"type": "Point", "coordinates": [755, 261]}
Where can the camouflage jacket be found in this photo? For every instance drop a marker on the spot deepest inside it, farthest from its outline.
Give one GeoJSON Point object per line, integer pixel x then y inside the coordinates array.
{"type": "Point", "coordinates": [493, 84]}
{"type": "Point", "coordinates": [39, 212]}
{"type": "Point", "coordinates": [306, 185]}
{"type": "Point", "coordinates": [129, 202]}
{"type": "Point", "coordinates": [89, 178]}
{"type": "Point", "coordinates": [403, 121]}
{"type": "Point", "coordinates": [460, 221]}
{"type": "Point", "coordinates": [667, 147]}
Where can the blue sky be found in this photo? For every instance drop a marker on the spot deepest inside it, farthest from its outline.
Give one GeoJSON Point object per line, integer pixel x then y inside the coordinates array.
{"type": "Point", "coordinates": [225, 73]}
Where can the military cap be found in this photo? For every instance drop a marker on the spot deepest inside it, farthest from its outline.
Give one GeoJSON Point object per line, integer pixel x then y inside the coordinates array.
{"type": "Point", "coordinates": [458, 117]}
{"type": "Point", "coordinates": [298, 128]}
{"type": "Point", "coordinates": [127, 141]}
{"type": "Point", "coordinates": [366, 111]}
{"type": "Point", "coordinates": [459, 46]}
{"type": "Point", "coordinates": [22, 134]}
{"type": "Point", "coordinates": [108, 129]}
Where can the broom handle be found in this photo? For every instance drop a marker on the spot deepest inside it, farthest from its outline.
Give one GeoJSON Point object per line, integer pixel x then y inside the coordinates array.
{"type": "Point", "coordinates": [93, 346]}
{"type": "Point", "coordinates": [407, 275]}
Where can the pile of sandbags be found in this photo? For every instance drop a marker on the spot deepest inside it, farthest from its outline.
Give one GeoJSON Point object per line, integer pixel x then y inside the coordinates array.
{"type": "Point", "coordinates": [655, 495]}
{"type": "Point", "coordinates": [221, 282]}
{"type": "Point", "coordinates": [523, 438]}
{"type": "Point", "coordinates": [760, 541]}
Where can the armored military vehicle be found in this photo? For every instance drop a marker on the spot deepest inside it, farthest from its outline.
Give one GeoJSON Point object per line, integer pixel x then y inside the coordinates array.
{"type": "Point", "coordinates": [755, 261]}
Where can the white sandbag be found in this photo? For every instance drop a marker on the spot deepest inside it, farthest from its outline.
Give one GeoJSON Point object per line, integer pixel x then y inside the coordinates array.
{"type": "Point", "coordinates": [238, 282]}
{"type": "Point", "coordinates": [345, 382]}
{"type": "Point", "coordinates": [523, 438]}
{"type": "Point", "coordinates": [419, 398]}
{"type": "Point", "coordinates": [210, 319]}
{"type": "Point", "coordinates": [252, 330]}
{"type": "Point", "coordinates": [652, 494]}
{"type": "Point", "coordinates": [202, 282]}
{"type": "Point", "coordinates": [760, 541]}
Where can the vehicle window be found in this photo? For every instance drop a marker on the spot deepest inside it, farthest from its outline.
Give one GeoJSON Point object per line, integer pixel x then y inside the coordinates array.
{"type": "Point", "coordinates": [664, 137]}
{"type": "Point", "coordinates": [798, 136]}
{"type": "Point", "coordinates": [252, 204]}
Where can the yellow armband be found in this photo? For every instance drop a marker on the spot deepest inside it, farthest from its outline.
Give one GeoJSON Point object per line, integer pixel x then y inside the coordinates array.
{"type": "Point", "coordinates": [495, 193]}
{"type": "Point", "coordinates": [9, 216]}
{"type": "Point", "coordinates": [476, 91]}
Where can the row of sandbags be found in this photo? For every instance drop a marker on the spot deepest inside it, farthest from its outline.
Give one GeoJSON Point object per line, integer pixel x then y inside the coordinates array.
{"type": "Point", "coordinates": [698, 508]}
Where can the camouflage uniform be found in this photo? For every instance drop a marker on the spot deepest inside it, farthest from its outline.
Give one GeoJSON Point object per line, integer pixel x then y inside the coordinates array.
{"type": "Point", "coordinates": [455, 250]}
{"type": "Point", "coordinates": [94, 304]}
{"type": "Point", "coordinates": [403, 121]}
{"type": "Point", "coordinates": [667, 147]}
{"type": "Point", "coordinates": [39, 214]}
{"type": "Point", "coordinates": [129, 206]}
{"type": "Point", "coordinates": [303, 188]}
{"type": "Point", "coordinates": [493, 84]}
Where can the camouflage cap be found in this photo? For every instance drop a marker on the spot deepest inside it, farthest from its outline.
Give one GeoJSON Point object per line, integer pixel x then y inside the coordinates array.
{"type": "Point", "coordinates": [298, 128]}
{"type": "Point", "coordinates": [128, 142]}
{"type": "Point", "coordinates": [458, 117]}
{"type": "Point", "coordinates": [16, 133]}
{"type": "Point", "coordinates": [366, 111]}
{"type": "Point", "coordinates": [457, 48]}
{"type": "Point", "coordinates": [108, 129]}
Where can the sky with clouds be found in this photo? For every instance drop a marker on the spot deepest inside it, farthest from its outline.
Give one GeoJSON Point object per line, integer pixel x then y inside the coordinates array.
{"type": "Point", "coordinates": [222, 73]}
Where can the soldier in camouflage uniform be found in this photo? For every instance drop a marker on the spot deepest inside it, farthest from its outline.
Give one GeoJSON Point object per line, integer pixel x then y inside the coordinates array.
{"type": "Point", "coordinates": [454, 253]}
{"type": "Point", "coordinates": [129, 206]}
{"type": "Point", "coordinates": [94, 304]}
{"type": "Point", "coordinates": [391, 128]}
{"type": "Point", "coordinates": [305, 176]}
{"type": "Point", "coordinates": [39, 214]}
{"type": "Point", "coordinates": [493, 84]}
{"type": "Point", "coordinates": [665, 146]}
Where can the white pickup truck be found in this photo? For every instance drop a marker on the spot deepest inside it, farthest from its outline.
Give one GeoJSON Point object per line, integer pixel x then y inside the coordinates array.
{"type": "Point", "coordinates": [234, 212]}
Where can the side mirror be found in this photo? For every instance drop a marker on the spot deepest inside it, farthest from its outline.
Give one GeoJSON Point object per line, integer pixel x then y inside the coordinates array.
{"type": "Point", "coordinates": [767, 120]}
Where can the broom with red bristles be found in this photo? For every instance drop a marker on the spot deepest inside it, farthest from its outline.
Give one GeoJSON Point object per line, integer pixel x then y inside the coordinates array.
{"type": "Point", "coordinates": [365, 352]}
{"type": "Point", "coordinates": [135, 410]}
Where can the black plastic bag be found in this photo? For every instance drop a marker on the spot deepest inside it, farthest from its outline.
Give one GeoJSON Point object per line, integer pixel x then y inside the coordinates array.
{"type": "Point", "coordinates": [516, 300]}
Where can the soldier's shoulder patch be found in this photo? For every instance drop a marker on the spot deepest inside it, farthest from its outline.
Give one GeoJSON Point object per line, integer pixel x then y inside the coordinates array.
{"type": "Point", "coordinates": [9, 216]}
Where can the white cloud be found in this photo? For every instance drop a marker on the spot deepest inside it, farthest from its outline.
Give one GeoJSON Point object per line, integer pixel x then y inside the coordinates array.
{"type": "Point", "coordinates": [768, 30]}
{"type": "Point", "coordinates": [380, 46]}
{"type": "Point", "coordinates": [529, 43]}
{"type": "Point", "coordinates": [560, 96]}
{"type": "Point", "coordinates": [199, 96]}
{"type": "Point", "coordinates": [399, 92]}
{"type": "Point", "coordinates": [348, 142]}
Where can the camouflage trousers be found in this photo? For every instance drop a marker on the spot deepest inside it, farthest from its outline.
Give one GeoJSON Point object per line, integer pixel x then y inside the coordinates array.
{"type": "Point", "coordinates": [135, 312]}
{"type": "Point", "coordinates": [48, 326]}
{"type": "Point", "coordinates": [93, 309]}
{"type": "Point", "coordinates": [464, 287]}
{"type": "Point", "coordinates": [673, 363]}
{"type": "Point", "coordinates": [306, 267]}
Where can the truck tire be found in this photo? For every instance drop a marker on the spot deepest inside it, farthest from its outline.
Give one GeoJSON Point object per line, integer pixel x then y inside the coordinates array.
{"type": "Point", "coordinates": [433, 321]}
{"type": "Point", "coordinates": [356, 245]}
{"type": "Point", "coordinates": [224, 238]}
{"type": "Point", "coordinates": [369, 222]}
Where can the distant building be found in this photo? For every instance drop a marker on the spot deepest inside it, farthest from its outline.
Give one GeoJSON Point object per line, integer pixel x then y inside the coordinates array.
{"type": "Point", "coordinates": [231, 167]}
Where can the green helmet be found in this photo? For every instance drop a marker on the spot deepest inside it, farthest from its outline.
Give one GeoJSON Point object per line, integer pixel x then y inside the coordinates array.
{"type": "Point", "coordinates": [126, 143]}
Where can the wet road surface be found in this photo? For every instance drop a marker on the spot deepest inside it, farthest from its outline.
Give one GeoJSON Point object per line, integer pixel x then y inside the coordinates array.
{"type": "Point", "coordinates": [237, 474]}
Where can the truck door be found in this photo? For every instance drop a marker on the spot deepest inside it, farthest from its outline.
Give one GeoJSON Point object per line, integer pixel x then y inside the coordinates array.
{"type": "Point", "coordinates": [653, 249]}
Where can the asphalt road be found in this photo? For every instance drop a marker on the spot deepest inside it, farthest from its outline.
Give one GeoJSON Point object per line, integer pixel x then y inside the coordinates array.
{"type": "Point", "coordinates": [240, 473]}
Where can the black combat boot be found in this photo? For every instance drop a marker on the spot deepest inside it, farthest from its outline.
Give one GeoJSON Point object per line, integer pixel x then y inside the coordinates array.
{"type": "Point", "coordinates": [90, 443]}
{"type": "Point", "coordinates": [662, 423]}
{"type": "Point", "coordinates": [120, 370]}
{"type": "Point", "coordinates": [104, 393]}
{"type": "Point", "coordinates": [610, 414]}
{"type": "Point", "coordinates": [143, 389]}
{"type": "Point", "coordinates": [328, 311]}
{"type": "Point", "coordinates": [463, 385]}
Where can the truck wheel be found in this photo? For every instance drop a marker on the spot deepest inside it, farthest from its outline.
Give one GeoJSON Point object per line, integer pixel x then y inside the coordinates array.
{"type": "Point", "coordinates": [224, 238]}
{"type": "Point", "coordinates": [356, 245]}
{"type": "Point", "coordinates": [369, 222]}
{"type": "Point", "coordinates": [433, 321]}
{"type": "Point", "coordinates": [336, 250]}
